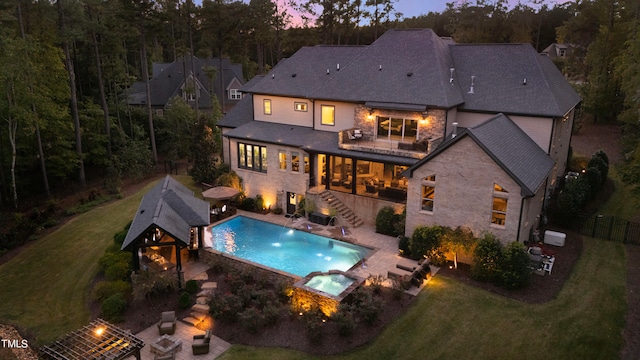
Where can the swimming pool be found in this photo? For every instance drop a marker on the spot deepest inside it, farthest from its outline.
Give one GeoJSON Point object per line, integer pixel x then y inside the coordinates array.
{"type": "Point", "coordinates": [292, 251]}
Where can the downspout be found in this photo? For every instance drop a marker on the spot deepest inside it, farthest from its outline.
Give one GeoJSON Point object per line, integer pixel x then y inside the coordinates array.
{"type": "Point", "coordinates": [520, 218]}
{"type": "Point", "coordinates": [553, 131]}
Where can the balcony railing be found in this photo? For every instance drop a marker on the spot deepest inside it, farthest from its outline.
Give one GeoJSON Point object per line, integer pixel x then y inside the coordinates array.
{"type": "Point", "coordinates": [366, 142]}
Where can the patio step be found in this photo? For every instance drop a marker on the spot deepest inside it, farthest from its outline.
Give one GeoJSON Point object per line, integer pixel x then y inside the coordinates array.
{"type": "Point", "coordinates": [203, 300]}
{"type": "Point", "coordinates": [209, 285]}
{"type": "Point", "coordinates": [199, 308]}
{"type": "Point", "coordinates": [346, 214]}
{"type": "Point", "coordinates": [191, 320]}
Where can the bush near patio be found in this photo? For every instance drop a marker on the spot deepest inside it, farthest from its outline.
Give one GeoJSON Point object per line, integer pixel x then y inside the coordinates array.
{"type": "Point", "coordinates": [390, 223]}
{"type": "Point", "coordinates": [425, 241]}
{"type": "Point", "coordinates": [116, 267]}
{"type": "Point", "coordinates": [506, 266]}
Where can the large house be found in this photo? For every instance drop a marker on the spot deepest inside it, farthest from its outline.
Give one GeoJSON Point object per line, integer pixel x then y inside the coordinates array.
{"type": "Point", "coordinates": [191, 78]}
{"type": "Point", "coordinates": [471, 135]}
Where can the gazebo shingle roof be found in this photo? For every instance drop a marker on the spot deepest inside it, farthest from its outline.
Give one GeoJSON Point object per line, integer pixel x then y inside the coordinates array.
{"type": "Point", "coordinates": [170, 206]}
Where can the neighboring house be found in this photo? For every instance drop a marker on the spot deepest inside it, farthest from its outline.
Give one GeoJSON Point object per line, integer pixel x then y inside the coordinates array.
{"type": "Point", "coordinates": [362, 127]}
{"type": "Point", "coordinates": [555, 51]}
{"type": "Point", "coordinates": [195, 87]}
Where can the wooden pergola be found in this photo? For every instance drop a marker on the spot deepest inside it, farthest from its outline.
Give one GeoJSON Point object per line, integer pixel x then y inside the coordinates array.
{"type": "Point", "coordinates": [98, 340]}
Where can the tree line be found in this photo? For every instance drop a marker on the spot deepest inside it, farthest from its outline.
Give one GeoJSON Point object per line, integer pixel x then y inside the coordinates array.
{"type": "Point", "coordinates": [66, 67]}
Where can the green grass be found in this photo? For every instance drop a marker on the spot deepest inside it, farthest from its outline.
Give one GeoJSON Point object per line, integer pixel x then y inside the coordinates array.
{"type": "Point", "coordinates": [45, 288]}
{"type": "Point", "coordinates": [452, 320]}
{"type": "Point", "coordinates": [621, 203]}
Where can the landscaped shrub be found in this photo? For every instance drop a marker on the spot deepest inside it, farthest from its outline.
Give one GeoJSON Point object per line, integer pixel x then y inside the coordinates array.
{"type": "Point", "coordinates": [248, 204]}
{"type": "Point", "coordinates": [458, 240]}
{"type": "Point", "coordinates": [272, 311]}
{"type": "Point", "coordinates": [119, 237]}
{"type": "Point", "coordinates": [487, 259]}
{"type": "Point", "coordinates": [594, 179]}
{"type": "Point", "coordinates": [313, 323]}
{"type": "Point", "coordinates": [148, 283]}
{"type": "Point", "coordinates": [599, 163]}
{"type": "Point", "coordinates": [251, 319]}
{"type": "Point", "coordinates": [399, 222]}
{"type": "Point", "coordinates": [184, 301]}
{"type": "Point", "coordinates": [385, 221]}
{"type": "Point", "coordinates": [118, 271]}
{"type": "Point", "coordinates": [191, 286]}
{"type": "Point", "coordinates": [368, 305]}
{"type": "Point", "coordinates": [403, 246]}
{"type": "Point", "coordinates": [425, 241]}
{"type": "Point", "coordinates": [602, 155]}
{"type": "Point", "coordinates": [105, 289]}
{"type": "Point", "coordinates": [345, 318]}
{"type": "Point", "coordinates": [515, 269]}
{"type": "Point", "coordinates": [259, 203]}
{"type": "Point", "coordinates": [375, 283]}
{"type": "Point", "coordinates": [113, 307]}
{"type": "Point", "coordinates": [226, 307]}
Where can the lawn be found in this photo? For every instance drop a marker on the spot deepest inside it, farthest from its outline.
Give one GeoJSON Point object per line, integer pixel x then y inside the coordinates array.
{"type": "Point", "coordinates": [45, 287]}
{"type": "Point", "coordinates": [45, 290]}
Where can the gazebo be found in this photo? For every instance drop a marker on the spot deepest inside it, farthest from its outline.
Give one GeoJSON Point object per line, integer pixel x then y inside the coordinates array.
{"type": "Point", "coordinates": [168, 220]}
{"type": "Point", "coordinates": [98, 340]}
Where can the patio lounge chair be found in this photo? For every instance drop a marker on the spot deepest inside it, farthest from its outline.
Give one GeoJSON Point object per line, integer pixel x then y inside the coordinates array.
{"type": "Point", "coordinates": [167, 324]}
{"type": "Point", "coordinates": [200, 343]}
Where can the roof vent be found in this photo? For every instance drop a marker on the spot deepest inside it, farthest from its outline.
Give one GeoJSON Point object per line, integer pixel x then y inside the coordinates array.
{"type": "Point", "coordinates": [409, 74]}
{"type": "Point", "coordinates": [454, 130]}
{"type": "Point", "coordinates": [293, 75]}
{"type": "Point", "coordinates": [524, 81]}
{"type": "Point", "coordinates": [451, 70]}
{"type": "Point", "coordinates": [327, 71]}
{"type": "Point", "coordinates": [337, 67]}
{"type": "Point", "coordinates": [273, 76]}
{"type": "Point", "coordinates": [380, 68]}
{"type": "Point", "coordinates": [473, 80]}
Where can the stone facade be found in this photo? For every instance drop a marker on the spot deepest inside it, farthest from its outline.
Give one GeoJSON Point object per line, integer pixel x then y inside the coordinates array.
{"type": "Point", "coordinates": [465, 177]}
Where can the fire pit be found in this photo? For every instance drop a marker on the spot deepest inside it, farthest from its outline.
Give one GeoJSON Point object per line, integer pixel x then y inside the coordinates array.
{"type": "Point", "coordinates": [166, 345]}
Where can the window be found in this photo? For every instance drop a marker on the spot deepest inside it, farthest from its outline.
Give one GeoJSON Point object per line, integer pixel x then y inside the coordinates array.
{"type": "Point", "coordinates": [300, 106]}
{"type": "Point", "coordinates": [307, 169]}
{"type": "Point", "coordinates": [252, 157]}
{"type": "Point", "coordinates": [499, 207]}
{"type": "Point", "coordinates": [397, 129]}
{"type": "Point", "coordinates": [282, 158]}
{"type": "Point", "coordinates": [235, 94]}
{"type": "Point", "coordinates": [328, 115]}
{"type": "Point", "coordinates": [266, 106]}
{"type": "Point", "coordinates": [428, 192]}
{"type": "Point", "coordinates": [295, 162]}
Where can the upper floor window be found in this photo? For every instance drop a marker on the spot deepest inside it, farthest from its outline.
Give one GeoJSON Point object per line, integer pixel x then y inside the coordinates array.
{"type": "Point", "coordinates": [499, 205]}
{"type": "Point", "coordinates": [428, 192]}
{"type": "Point", "coordinates": [252, 157]}
{"type": "Point", "coordinates": [307, 169]}
{"type": "Point", "coordinates": [328, 116]}
{"type": "Point", "coordinates": [235, 94]}
{"type": "Point", "coordinates": [300, 106]}
{"type": "Point", "coordinates": [266, 106]}
{"type": "Point", "coordinates": [397, 129]}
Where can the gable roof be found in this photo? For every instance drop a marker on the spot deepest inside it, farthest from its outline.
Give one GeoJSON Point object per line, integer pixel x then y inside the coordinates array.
{"type": "Point", "coordinates": [168, 77]}
{"type": "Point", "coordinates": [510, 147]}
{"type": "Point", "coordinates": [170, 206]}
{"type": "Point", "coordinates": [511, 78]}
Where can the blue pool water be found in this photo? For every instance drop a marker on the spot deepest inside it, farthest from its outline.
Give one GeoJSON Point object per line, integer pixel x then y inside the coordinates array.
{"type": "Point", "coordinates": [282, 248]}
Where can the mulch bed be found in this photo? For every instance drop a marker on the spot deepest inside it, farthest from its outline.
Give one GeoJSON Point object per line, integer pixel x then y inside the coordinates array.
{"type": "Point", "coordinates": [541, 288]}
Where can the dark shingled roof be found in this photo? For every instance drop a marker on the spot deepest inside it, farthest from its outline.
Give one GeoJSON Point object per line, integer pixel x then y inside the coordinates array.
{"type": "Point", "coordinates": [511, 78]}
{"type": "Point", "coordinates": [412, 68]}
{"type": "Point", "coordinates": [170, 206]}
{"type": "Point", "coordinates": [509, 147]}
{"type": "Point", "coordinates": [239, 115]}
{"type": "Point", "coordinates": [167, 79]}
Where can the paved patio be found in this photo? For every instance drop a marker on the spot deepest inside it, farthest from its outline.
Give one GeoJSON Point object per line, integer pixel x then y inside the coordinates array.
{"type": "Point", "coordinates": [185, 334]}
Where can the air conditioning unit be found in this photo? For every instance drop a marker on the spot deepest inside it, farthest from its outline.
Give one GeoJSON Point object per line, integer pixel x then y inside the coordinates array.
{"type": "Point", "coordinates": [554, 238]}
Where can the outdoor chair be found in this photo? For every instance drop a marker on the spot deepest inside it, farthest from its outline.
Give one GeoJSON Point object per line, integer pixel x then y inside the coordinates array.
{"type": "Point", "coordinates": [167, 324]}
{"type": "Point", "coordinates": [200, 343]}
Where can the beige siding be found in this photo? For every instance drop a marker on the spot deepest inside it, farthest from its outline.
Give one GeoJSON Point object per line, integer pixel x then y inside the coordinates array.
{"type": "Point", "coordinates": [465, 175]}
{"type": "Point", "coordinates": [283, 110]}
{"type": "Point", "coordinates": [344, 116]}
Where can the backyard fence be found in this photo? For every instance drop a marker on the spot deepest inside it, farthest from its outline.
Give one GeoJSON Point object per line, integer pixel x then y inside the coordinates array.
{"type": "Point", "coordinates": [609, 228]}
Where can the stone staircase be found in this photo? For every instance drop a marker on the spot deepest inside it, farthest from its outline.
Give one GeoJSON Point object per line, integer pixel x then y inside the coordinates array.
{"type": "Point", "coordinates": [201, 307]}
{"type": "Point", "coordinates": [344, 213]}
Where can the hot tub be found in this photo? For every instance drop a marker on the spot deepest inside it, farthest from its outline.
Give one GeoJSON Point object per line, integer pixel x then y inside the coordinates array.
{"type": "Point", "coordinates": [324, 291]}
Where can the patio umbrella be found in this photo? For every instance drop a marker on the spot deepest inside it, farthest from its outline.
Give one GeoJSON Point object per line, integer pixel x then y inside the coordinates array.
{"type": "Point", "coordinates": [220, 193]}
